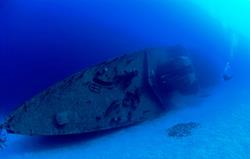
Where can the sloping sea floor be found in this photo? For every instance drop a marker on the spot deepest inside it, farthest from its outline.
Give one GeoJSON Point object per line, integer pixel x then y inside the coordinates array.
{"type": "Point", "coordinates": [224, 119]}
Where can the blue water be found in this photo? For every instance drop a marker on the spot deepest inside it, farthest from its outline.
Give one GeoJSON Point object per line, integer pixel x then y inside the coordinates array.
{"type": "Point", "coordinates": [44, 41]}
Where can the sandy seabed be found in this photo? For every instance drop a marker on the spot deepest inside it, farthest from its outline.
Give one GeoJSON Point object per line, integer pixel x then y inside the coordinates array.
{"type": "Point", "coordinates": [224, 119]}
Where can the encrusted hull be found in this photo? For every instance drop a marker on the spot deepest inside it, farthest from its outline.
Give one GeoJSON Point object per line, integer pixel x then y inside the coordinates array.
{"type": "Point", "coordinates": [112, 94]}
{"type": "Point", "coordinates": [117, 93]}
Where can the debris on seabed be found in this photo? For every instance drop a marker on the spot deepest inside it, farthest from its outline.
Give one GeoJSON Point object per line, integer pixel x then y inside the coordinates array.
{"type": "Point", "coordinates": [182, 129]}
{"type": "Point", "coordinates": [3, 137]}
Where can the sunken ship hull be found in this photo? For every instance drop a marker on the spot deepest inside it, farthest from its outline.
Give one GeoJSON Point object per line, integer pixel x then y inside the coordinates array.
{"type": "Point", "coordinates": [109, 95]}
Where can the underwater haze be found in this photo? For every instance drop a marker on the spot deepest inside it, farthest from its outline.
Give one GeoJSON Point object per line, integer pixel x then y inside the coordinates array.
{"type": "Point", "coordinates": [44, 41]}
